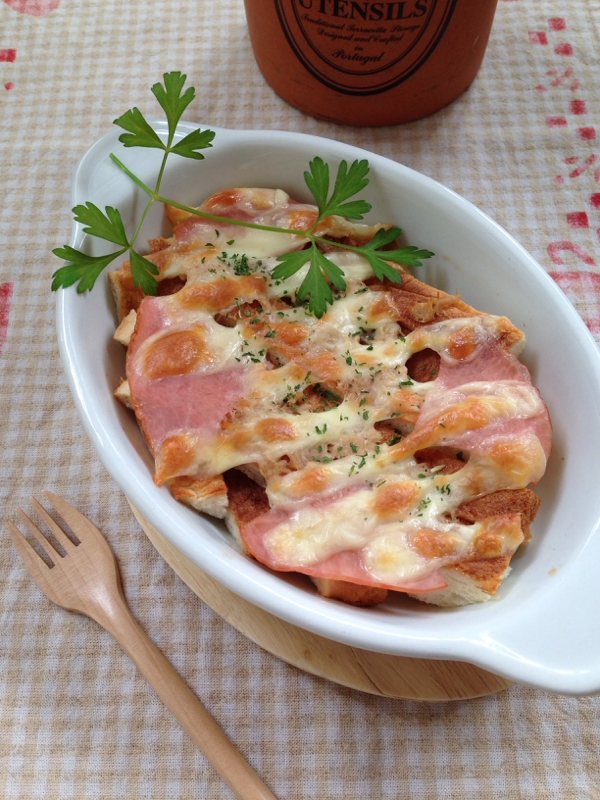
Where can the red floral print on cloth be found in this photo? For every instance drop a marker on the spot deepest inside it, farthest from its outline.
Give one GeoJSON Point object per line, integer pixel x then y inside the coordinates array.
{"type": "Point", "coordinates": [556, 250]}
{"type": "Point", "coordinates": [37, 8]}
{"type": "Point", "coordinates": [5, 296]}
{"type": "Point", "coordinates": [572, 115]}
{"type": "Point", "coordinates": [9, 55]}
{"type": "Point", "coordinates": [583, 289]}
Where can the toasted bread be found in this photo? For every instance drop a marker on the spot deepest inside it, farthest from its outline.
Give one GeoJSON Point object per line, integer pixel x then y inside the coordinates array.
{"type": "Point", "coordinates": [387, 446]}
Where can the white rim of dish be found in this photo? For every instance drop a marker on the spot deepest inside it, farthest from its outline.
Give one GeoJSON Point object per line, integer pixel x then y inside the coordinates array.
{"type": "Point", "coordinates": [352, 627]}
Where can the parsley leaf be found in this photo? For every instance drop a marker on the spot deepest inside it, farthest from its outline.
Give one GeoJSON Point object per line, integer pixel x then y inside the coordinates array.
{"type": "Point", "coordinates": [140, 133]}
{"type": "Point", "coordinates": [290, 263]}
{"type": "Point", "coordinates": [333, 272]}
{"type": "Point", "coordinates": [80, 267]}
{"type": "Point", "coordinates": [347, 183]}
{"type": "Point", "coordinates": [85, 269]}
{"type": "Point", "coordinates": [315, 287]}
{"type": "Point", "coordinates": [106, 226]}
{"type": "Point", "coordinates": [170, 98]}
{"type": "Point", "coordinates": [409, 255]}
{"type": "Point", "coordinates": [142, 272]}
{"type": "Point", "coordinates": [173, 103]}
{"type": "Point", "coordinates": [196, 140]}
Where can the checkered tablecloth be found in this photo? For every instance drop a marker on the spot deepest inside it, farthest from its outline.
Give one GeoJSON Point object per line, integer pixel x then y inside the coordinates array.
{"type": "Point", "coordinates": [76, 719]}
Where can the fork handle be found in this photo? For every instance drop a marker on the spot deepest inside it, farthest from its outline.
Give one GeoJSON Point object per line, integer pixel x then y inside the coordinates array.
{"type": "Point", "coordinates": [183, 703]}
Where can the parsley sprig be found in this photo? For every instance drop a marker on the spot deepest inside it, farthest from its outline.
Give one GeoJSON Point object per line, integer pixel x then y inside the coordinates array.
{"type": "Point", "coordinates": [84, 269]}
{"type": "Point", "coordinates": [316, 287]}
{"type": "Point", "coordinates": [322, 273]}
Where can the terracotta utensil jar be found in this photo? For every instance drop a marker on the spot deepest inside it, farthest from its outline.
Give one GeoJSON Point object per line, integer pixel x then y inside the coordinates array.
{"type": "Point", "coordinates": [369, 62]}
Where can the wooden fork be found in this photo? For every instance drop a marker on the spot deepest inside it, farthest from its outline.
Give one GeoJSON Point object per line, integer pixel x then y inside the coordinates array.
{"type": "Point", "coordinates": [87, 580]}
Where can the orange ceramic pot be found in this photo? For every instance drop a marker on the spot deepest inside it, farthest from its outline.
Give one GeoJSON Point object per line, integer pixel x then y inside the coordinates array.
{"type": "Point", "coordinates": [369, 62]}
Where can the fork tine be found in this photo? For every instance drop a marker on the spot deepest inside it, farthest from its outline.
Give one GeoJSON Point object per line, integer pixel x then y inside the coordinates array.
{"type": "Point", "coordinates": [77, 521]}
{"type": "Point", "coordinates": [45, 543]}
{"type": "Point", "coordinates": [61, 536]}
{"type": "Point", "coordinates": [33, 561]}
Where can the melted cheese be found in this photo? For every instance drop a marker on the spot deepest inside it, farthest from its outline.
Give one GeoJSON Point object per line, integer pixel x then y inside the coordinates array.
{"type": "Point", "coordinates": [332, 483]}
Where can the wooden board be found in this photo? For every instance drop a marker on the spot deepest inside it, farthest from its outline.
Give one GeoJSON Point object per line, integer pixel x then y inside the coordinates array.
{"type": "Point", "coordinates": [376, 673]}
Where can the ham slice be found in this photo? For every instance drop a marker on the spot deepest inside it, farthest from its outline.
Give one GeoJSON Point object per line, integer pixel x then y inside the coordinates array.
{"type": "Point", "coordinates": [492, 363]}
{"type": "Point", "coordinates": [346, 565]}
{"type": "Point", "coordinates": [191, 403]}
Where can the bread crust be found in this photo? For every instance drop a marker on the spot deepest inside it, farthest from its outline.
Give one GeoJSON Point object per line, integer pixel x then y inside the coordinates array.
{"type": "Point", "coordinates": [353, 593]}
{"type": "Point", "coordinates": [208, 495]}
{"type": "Point", "coordinates": [245, 500]}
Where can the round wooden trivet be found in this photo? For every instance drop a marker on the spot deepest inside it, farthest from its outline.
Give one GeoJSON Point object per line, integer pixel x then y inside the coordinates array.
{"type": "Point", "coordinates": [376, 673]}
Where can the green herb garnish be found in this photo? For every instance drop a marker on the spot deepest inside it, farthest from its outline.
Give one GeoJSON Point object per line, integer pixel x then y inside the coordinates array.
{"type": "Point", "coordinates": [109, 224]}
{"type": "Point", "coordinates": [322, 274]}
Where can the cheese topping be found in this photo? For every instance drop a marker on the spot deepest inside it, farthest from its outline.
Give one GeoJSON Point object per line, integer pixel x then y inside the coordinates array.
{"type": "Point", "coordinates": [228, 372]}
